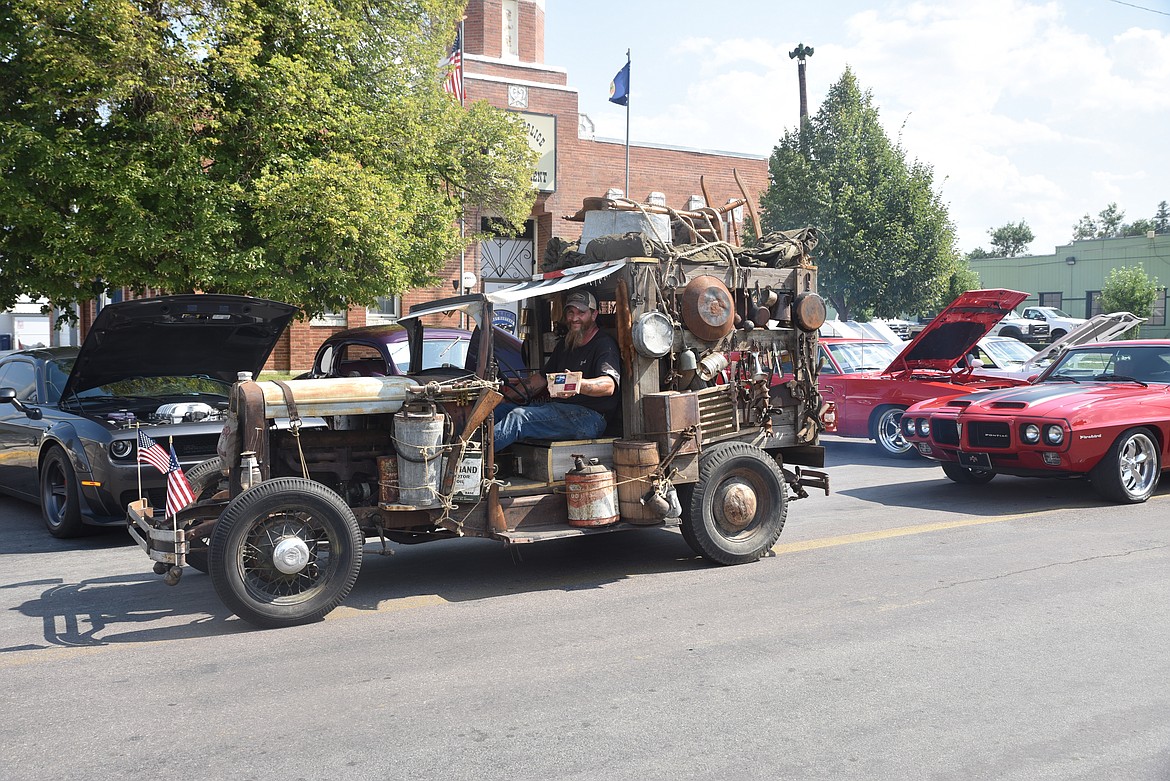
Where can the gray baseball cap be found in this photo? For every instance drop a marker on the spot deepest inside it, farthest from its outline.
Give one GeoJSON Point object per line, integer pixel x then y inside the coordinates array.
{"type": "Point", "coordinates": [582, 299]}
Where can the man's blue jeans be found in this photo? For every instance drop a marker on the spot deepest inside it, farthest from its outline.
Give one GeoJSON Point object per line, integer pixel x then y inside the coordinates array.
{"type": "Point", "coordinates": [551, 420]}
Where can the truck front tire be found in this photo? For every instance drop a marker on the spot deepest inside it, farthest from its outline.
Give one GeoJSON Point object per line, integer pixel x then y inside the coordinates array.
{"type": "Point", "coordinates": [285, 552]}
{"type": "Point", "coordinates": [737, 509]}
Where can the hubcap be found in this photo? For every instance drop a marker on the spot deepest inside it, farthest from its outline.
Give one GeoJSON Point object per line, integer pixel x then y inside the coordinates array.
{"type": "Point", "coordinates": [889, 431]}
{"type": "Point", "coordinates": [735, 504]}
{"type": "Point", "coordinates": [290, 555]}
{"type": "Point", "coordinates": [1138, 462]}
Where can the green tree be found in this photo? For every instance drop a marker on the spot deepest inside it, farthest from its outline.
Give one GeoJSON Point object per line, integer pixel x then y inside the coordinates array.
{"type": "Point", "coordinates": [1129, 289]}
{"type": "Point", "coordinates": [1162, 219]}
{"type": "Point", "coordinates": [962, 279]}
{"type": "Point", "coordinates": [1086, 228]}
{"type": "Point", "coordinates": [1109, 221]}
{"type": "Point", "coordinates": [1011, 239]}
{"type": "Point", "coordinates": [1138, 227]}
{"type": "Point", "coordinates": [979, 254]}
{"type": "Point", "coordinates": [302, 151]}
{"type": "Point", "coordinates": [889, 245]}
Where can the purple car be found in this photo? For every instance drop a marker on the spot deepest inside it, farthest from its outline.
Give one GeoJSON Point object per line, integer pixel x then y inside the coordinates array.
{"type": "Point", "coordinates": [381, 350]}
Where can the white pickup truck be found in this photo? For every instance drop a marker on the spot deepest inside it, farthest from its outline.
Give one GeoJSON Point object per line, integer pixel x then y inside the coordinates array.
{"type": "Point", "coordinates": [1030, 331]}
{"type": "Point", "coordinates": [1059, 322]}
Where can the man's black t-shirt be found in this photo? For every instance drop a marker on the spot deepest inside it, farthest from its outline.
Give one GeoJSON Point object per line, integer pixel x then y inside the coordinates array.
{"type": "Point", "coordinates": [598, 356]}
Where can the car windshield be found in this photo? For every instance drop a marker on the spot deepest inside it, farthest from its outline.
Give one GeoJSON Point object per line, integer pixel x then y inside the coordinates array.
{"type": "Point", "coordinates": [1125, 363]}
{"type": "Point", "coordinates": [1056, 312]}
{"type": "Point", "coordinates": [862, 356]}
{"type": "Point", "coordinates": [57, 372]}
{"type": "Point", "coordinates": [437, 351]}
{"type": "Point", "coordinates": [1007, 354]}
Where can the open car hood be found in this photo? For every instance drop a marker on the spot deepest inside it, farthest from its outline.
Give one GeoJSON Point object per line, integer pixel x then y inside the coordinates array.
{"type": "Point", "coordinates": [214, 335]}
{"type": "Point", "coordinates": [956, 330]}
{"type": "Point", "coordinates": [1101, 328]}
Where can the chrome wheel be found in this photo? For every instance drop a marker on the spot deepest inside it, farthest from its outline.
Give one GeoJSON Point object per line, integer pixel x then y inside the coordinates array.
{"type": "Point", "coordinates": [887, 431]}
{"type": "Point", "coordinates": [1129, 472]}
{"type": "Point", "coordinates": [1137, 463]}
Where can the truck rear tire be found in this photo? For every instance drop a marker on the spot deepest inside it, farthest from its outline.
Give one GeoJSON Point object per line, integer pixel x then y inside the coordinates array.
{"type": "Point", "coordinates": [285, 552]}
{"type": "Point", "coordinates": [737, 509]}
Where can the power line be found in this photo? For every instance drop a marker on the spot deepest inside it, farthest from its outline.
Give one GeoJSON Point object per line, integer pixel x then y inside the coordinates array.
{"type": "Point", "coordinates": [1141, 7]}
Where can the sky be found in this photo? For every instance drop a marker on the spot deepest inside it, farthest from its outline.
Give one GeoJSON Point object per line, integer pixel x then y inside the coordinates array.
{"type": "Point", "coordinates": [1034, 111]}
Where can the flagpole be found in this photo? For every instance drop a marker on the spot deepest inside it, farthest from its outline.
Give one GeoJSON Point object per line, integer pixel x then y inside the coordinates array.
{"type": "Point", "coordinates": [166, 505]}
{"type": "Point", "coordinates": [628, 126]}
{"type": "Point", "coordinates": [138, 461]}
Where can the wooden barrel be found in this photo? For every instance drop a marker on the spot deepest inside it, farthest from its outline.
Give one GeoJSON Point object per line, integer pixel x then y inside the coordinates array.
{"type": "Point", "coordinates": [633, 461]}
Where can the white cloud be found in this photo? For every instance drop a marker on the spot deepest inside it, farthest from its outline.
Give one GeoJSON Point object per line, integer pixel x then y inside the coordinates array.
{"type": "Point", "coordinates": [1034, 111]}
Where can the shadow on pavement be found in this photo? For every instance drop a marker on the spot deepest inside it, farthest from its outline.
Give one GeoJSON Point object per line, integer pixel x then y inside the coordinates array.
{"type": "Point", "coordinates": [141, 608]}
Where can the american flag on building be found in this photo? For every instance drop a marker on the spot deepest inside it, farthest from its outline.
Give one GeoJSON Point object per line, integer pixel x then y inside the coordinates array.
{"type": "Point", "coordinates": [179, 493]}
{"type": "Point", "coordinates": [454, 64]}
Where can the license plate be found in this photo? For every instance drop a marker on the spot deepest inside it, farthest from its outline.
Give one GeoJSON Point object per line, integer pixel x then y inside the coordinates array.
{"type": "Point", "coordinates": [976, 460]}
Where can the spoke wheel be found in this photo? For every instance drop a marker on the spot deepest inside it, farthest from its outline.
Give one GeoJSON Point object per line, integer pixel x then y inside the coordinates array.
{"type": "Point", "coordinates": [1129, 472]}
{"type": "Point", "coordinates": [60, 503]}
{"type": "Point", "coordinates": [285, 552]}
{"type": "Point", "coordinates": [886, 429]}
{"type": "Point", "coordinates": [737, 509]}
{"type": "Point", "coordinates": [965, 475]}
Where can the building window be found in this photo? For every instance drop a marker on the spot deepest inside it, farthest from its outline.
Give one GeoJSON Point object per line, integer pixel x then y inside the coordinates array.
{"type": "Point", "coordinates": [1158, 314]}
{"type": "Point", "coordinates": [1054, 300]}
{"type": "Point", "coordinates": [329, 318]}
{"type": "Point", "coordinates": [386, 310]}
{"type": "Point", "coordinates": [1092, 303]}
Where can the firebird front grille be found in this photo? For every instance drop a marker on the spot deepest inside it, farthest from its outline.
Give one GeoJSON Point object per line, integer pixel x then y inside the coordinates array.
{"type": "Point", "coordinates": [989, 435]}
{"type": "Point", "coordinates": [944, 432]}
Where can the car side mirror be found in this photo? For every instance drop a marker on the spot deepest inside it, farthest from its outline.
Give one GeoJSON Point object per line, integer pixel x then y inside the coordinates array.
{"type": "Point", "coordinates": [976, 363]}
{"type": "Point", "coordinates": [9, 395]}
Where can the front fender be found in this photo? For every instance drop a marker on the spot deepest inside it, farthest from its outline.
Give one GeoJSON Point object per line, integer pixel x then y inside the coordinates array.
{"type": "Point", "coordinates": [66, 436]}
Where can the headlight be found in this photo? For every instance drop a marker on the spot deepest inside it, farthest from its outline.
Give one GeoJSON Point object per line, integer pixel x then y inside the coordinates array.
{"type": "Point", "coordinates": [121, 448]}
{"type": "Point", "coordinates": [924, 427]}
{"type": "Point", "coordinates": [1053, 435]}
{"type": "Point", "coordinates": [908, 426]}
{"type": "Point", "coordinates": [1030, 434]}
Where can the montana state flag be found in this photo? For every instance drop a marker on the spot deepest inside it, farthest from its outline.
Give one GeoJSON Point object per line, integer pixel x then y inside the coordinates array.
{"type": "Point", "coordinates": [619, 88]}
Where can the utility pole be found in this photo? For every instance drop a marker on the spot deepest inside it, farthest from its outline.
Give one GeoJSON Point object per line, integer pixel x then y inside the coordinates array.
{"type": "Point", "coordinates": [800, 53]}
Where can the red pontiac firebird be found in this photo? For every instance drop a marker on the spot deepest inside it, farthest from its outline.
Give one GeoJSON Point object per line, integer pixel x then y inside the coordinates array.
{"type": "Point", "coordinates": [869, 401]}
{"type": "Point", "coordinates": [1100, 411]}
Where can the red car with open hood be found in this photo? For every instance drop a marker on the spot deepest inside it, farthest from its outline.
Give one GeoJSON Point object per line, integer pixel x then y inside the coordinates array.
{"type": "Point", "coordinates": [870, 403]}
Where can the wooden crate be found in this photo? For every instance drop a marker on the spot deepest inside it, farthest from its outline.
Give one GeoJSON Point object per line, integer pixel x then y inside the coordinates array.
{"type": "Point", "coordinates": [667, 415]}
{"type": "Point", "coordinates": [548, 461]}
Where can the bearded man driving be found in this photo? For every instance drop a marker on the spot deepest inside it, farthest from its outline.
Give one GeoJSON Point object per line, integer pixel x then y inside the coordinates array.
{"type": "Point", "coordinates": [583, 415]}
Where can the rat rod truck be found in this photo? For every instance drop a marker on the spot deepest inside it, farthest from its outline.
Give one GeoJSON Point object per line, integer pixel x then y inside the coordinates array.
{"type": "Point", "coordinates": [719, 425]}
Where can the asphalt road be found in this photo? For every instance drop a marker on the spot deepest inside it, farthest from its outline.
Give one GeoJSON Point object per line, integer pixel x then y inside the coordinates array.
{"type": "Point", "coordinates": [907, 628]}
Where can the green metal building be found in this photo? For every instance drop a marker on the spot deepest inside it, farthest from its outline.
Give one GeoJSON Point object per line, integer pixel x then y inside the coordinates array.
{"type": "Point", "coordinates": [1072, 277]}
